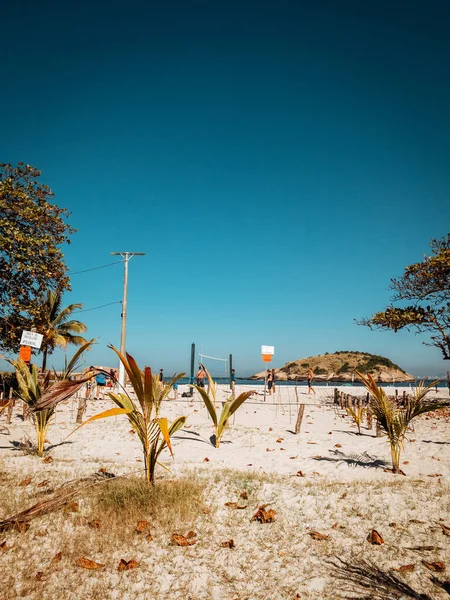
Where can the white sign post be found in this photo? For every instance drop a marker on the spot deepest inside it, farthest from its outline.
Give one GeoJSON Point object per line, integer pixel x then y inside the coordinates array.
{"type": "Point", "coordinates": [31, 338]}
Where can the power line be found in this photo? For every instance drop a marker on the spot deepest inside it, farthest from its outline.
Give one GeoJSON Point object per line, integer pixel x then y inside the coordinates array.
{"type": "Point", "coordinates": [95, 268]}
{"type": "Point", "coordinates": [101, 306]}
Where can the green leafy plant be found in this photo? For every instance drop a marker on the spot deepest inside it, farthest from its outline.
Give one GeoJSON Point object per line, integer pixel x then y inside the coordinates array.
{"type": "Point", "coordinates": [395, 420]}
{"type": "Point", "coordinates": [153, 431]}
{"type": "Point", "coordinates": [42, 394]}
{"type": "Point", "coordinates": [228, 409]}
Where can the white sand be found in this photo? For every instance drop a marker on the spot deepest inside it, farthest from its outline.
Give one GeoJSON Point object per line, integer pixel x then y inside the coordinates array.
{"type": "Point", "coordinates": [259, 440]}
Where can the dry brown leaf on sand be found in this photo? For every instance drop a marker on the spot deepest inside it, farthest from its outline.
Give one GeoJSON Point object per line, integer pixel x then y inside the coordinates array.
{"type": "Point", "coordinates": [279, 440]}
{"type": "Point", "coordinates": [293, 457]}
{"type": "Point", "coordinates": [375, 538]}
{"type": "Point", "coordinates": [56, 559]}
{"type": "Point", "coordinates": [445, 529]}
{"type": "Point", "coordinates": [206, 459]}
{"type": "Point", "coordinates": [231, 504]}
{"type": "Point", "coordinates": [21, 526]}
{"type": "Point", "coordinates": [417, 522]}
{"type": "Point", "coordinates": [270, 449]}
{"type": "Point", "coordinates": [434, 566]}
{"type": "Point", "coordinates": [141, 526]}
{"type": "Point", "coordinates": [338, 445]}
{"type": "Point", "coordinates": [43, 483]}
{"type": "Point", "coordinates": [243, 495]}
{"type": "Point", "coordinates": [86, 563]}
{"type": "Point", "coordinates": [300, 474]}
{"type": "Point", "coordinates": [318, 536]}
{"type": "Point", "coordinates": [25, 482]}
{"type": "Point", "coordinates": [180, 540]}
{"type": "Point", "coordinates": [264, 516]}
{"type": "Point", "coordinates": [48, 460]}
{"type": "Point", "coordinates": [405, 569]}
{"type": "Point", "coordinates": [126, 565]}
{"type": "Point", "coordinates": [4, 547]}
{"type": "Point", "coordinates": [227, 544]}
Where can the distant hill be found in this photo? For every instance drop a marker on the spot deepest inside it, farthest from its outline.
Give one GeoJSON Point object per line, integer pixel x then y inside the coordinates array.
{"type": "Point", "coordinates": [340, 366]}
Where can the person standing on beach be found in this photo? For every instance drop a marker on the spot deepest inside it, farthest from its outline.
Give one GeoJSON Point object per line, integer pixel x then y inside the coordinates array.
{"type": "Point", "coordinates": [101, 382]}
{"type": "Point", "coordinates": [232, 380]}
{"type": "Point", "coordinates": [310, 379]}
{"type": "Point", "coordinates": [161, 375]}
{"type": "Point", "coordinates": [201, 376]}
{"type": "Point", "coordinates": [270, 381]}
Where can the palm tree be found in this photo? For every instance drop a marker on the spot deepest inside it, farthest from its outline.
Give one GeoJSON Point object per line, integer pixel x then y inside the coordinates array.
{"type": "Point", "coordinates": [395, 420]}
{"type": "Point", "coordinates": [57, 327]}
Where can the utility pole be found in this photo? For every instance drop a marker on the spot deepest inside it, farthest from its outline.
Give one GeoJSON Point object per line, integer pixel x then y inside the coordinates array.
{"type": "Point", "coordinates": [126, 256]}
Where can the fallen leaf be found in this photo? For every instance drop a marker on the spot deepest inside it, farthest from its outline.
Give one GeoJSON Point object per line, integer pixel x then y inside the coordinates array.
{"type": "Point", "coordinates": [406, 462]}
{"type": "Point", "coordinates": [270, 429]}
{"type": "Point", "coordinates": [21, 526]}
{"type": "Point", "coordinates": [270, 449]}
{"type": "Point", "coordinates": [264, 516]}
{"type": "Point", "coordinates": [206, 510]}
{"type": "Point", "coordinates": [338, 445]}
{"type": "Point", "coordinates": [141, 526]}
{"type": "Point", "coordinates": [56, 559]}
{"type": "Point", "coordinates": [206, 459]}
{"type": "Point", "coordinates": [435, 475]}
{"type": "Point", "coordinates": [434, 566]}
{"type": "Point", "coordinates": [4, 547]}
{"type": "Point", "coordinates": [293, 457]}
{"type": "Point", "coordinates": [191, 535]}
{"type": "Point", "coordinates": [126, 565]}
{"type": "Point", "coordinates": [231, 504]}
{"type": "Point", "coordinates": [318, 536]}
{"type": "Point", "coordinates": [244, 495]}
{"type": "Point", "coordinates": [39, 575]}
{"type": "Point", "coordinates": [375, 538]}
{"type": "Point", "coordinates": [312, 443]}
{"type": "Point", "coordinates": [25, 482]}
{"type": "Point", "coordinates": [227, 544]}
{"type": "Point", "coordinates": [48, 460]}
{"type": "Point", "coordinates": [279, 440]}
{"type": "Point", "coordinates": [72, 507]}
{"type": "Point", "coordinates": [445, 529]}
{"type": "Point", "coordinates": [330, 433]}
{"type": "Point", "coordinates": [181, 540]}
{"type": "Point", "coordinates": [300, 474]}
{"type": "Point", "coordinates": [282, 448]}
{"type": "Point", "coordinates": [86, 563]}
{"type": "Point", "coordinates": [43, 483]}
{"type": "Point", "coordinates": [416, 521]}
{"type": "Point", "coordinates": [405, 569]}
{"type": "Point", "coordinates": [94, 524]}
{"type": "Point", "coordinates": [132, 431]}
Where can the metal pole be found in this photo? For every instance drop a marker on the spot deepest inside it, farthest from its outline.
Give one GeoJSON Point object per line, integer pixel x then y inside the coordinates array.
{"type": "Point", "coordinates": [123, 334]}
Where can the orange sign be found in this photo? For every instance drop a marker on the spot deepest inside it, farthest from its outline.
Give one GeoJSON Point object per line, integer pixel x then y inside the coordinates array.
{"type": "Point", "coordinates": [266, 357]}
{"type": "Point", "coordinates": [25, 353]}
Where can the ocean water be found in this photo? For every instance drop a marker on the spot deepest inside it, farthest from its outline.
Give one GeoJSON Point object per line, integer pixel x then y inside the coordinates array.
{"type": "Point", "coordinates": [258, 383]}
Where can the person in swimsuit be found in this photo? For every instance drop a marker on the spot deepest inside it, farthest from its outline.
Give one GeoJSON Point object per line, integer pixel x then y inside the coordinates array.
{"type": "Point", "coordinates": [201, 376]}
{"type": "Point", "coordinates": [310, 379]}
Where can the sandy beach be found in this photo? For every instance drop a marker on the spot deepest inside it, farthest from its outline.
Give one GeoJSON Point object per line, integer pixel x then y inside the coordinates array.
{"type": "Point", "coordinates": [327, 480]}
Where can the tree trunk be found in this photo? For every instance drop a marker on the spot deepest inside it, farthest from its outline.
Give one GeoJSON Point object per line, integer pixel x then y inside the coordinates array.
{"type": "Point", "coordinates": [298, 424]}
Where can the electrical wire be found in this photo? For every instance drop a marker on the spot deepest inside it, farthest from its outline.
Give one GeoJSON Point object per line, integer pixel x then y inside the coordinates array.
{"type": "Point", "coordinates": [95, 268]}
{"type": "Point", "coordinates": [97, 307]}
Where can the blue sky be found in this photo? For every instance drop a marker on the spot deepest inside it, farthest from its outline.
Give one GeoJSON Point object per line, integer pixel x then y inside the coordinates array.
{"type": "Point", "coordinates": [277, 162]}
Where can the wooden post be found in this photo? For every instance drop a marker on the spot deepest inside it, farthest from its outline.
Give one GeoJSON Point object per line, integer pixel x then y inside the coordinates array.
{"type": "Point", "coordinates": [336, 396]}
{"type": "Point", "coordinates": [298, 424]}
{"type": "Point", "coordinates": [82, 402]}
{"type": "Point", "coordinates": [378, 429]}
{"type": "Point", "coordinates": [12, 402]}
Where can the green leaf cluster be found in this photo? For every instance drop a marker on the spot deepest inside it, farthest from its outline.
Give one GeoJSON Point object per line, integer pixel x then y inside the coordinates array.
{"type": "Point", "coordinates": [32, 230]}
